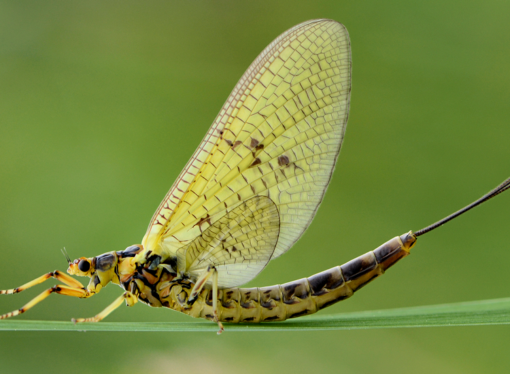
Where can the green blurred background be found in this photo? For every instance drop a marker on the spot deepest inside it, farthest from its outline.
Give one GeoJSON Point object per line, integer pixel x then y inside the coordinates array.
{"type": "Point", "coordinates": [102, 103]}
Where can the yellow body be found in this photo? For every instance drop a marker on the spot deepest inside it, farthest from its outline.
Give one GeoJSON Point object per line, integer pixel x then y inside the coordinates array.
{"type": "Point", "coordinates": [155, 283]}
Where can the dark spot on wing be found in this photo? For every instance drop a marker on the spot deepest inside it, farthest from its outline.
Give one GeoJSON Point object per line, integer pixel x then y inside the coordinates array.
{"type": "Point", "coordinates": [283, 160]}
{"type": "Point", "coordinates": [256, 162]}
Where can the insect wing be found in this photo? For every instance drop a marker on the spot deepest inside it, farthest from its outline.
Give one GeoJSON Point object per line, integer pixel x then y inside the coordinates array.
{"type": "Point", "coordinates": [239, 244]}
{"type": "Point", "coordinates": [278, 135]}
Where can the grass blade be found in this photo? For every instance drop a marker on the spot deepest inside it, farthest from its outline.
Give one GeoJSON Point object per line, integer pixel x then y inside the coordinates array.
{"type": "Point", "coordinates": [482, 312]}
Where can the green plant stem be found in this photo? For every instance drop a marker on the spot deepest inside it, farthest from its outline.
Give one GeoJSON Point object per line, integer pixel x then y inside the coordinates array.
{"type": "Point", "coordinates": [482, 312]}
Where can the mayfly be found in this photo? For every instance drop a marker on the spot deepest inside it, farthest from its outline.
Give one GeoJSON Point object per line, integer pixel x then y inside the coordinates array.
{"type": "Point", "coordinates": [246, 196]}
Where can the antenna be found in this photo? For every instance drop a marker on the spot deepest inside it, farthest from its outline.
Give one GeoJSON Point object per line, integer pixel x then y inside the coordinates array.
{"type": "Point", "coordinates": [64, 252]}
{"type": "Point", "coordinates": [502, 187]}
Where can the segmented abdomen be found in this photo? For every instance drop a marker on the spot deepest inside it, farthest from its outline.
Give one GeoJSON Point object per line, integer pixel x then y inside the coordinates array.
{"type": "Point", "coordinates": [307, 295]}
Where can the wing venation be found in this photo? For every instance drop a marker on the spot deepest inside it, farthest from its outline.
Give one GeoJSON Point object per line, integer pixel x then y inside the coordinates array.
{"type": "Point", "coordinates": [239, 244]}
{"type": "Point", "coordinates": [278, 135]}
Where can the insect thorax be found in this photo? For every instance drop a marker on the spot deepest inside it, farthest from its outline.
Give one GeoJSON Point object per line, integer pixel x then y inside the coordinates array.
{"type": "Point", "coordinates": [156, 281]}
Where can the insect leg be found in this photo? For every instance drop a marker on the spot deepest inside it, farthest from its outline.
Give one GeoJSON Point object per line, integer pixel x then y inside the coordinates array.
{"type": "Point", "coordinates": [62, 290]}
{"type": "Point", "coordinates": [68, 280]}
{"type": "Point", "coordinates": [130, 301]}
{"type": "Point", "coordinates": [215, 300]}
{"type": "Point", "coordinates": [199, 285]}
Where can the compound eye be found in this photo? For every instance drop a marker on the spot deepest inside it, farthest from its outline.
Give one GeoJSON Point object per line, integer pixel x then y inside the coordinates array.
{"type": "Point", "coordinates": [84, 266]}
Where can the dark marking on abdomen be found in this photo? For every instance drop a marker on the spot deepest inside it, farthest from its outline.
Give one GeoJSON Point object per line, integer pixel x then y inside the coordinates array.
{"type": "Point", "coordinates": [299, 314]}
{"type": "Point", "coordinates": [331, 302]}
{"type": "Point", "coordinates": [359, 266]}
{"type": "Point", "coordinates": [272, 318]}
{"type": "Point", "coordinates": [325, 281]}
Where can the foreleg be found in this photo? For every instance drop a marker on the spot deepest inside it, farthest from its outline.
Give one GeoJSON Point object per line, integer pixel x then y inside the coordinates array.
{"type": "Point", "coordinates": [60, 289]}
{"type": "Point", "coordinates": [58, 275]}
